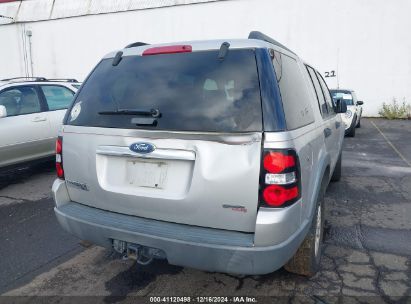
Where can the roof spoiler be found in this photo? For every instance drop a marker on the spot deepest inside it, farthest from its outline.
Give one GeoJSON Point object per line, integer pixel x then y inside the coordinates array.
{"type": "Point", "coordinates": [260, 36]}
{"type": "Point", "coordinates": [135, 44]}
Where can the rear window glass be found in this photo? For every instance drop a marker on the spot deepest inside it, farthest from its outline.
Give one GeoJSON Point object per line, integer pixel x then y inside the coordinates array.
{"type": "Point", "coordinates": [57, 97]}
{"type": "Point", "coordinates": [192, 91]}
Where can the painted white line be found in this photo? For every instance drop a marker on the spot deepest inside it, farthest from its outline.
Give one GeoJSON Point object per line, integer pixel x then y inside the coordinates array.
{"type": "Point", "coordinates": [392, 146]}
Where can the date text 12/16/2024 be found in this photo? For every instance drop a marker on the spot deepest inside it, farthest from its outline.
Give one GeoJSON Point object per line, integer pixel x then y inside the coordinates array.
{"type": "Point", "coordinates": [203, 299]}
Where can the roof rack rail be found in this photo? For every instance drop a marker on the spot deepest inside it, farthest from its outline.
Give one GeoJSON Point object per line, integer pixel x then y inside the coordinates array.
{"type": "Point", "coordinates": [136, 44]}
{"type": "Point", "coordinates": [260, 36]}
{"type": "Point", "coordinates": [62, 79]}
{"type": "Point", "coordinates": [25, 77]}
{"type": "Point", "coordinates": [43, 79]}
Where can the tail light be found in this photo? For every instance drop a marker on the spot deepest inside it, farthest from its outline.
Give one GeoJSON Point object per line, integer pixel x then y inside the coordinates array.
{"type": "Point", "coordinates": [280, 184]}
{"type": "Point", "coordinates": [59, 157]}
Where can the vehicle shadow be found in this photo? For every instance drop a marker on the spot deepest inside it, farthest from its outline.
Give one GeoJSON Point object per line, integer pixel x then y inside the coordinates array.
{"type": "Point", "coordinates": [137, 277]}
{"type": "Point", "coordinates": [24, 173]}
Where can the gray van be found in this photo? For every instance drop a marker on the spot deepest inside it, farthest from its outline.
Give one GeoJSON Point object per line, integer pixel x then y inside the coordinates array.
{"type": "Point", "coordinates": [210, 154]}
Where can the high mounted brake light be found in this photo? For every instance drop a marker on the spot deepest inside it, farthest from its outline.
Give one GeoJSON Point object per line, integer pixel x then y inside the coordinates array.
{"type": "Point", "coordinates": [59, 158]}
{"type": "Point", "coordinates": [172, 49]}
{"type": "Point", "coordinates": [280, 178]}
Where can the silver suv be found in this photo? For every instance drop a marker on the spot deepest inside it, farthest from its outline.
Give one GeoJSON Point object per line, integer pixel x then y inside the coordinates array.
{"type": "Point", "coordinates": [213, 155]}
{"type": "Point", "coordinates": [31, 113]}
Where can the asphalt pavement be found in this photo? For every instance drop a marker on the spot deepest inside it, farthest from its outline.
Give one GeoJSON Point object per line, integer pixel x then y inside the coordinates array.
{"type": "Point", "coordinates": [31, 240]}
{"type": "Point", "coordinates": [367, 248]}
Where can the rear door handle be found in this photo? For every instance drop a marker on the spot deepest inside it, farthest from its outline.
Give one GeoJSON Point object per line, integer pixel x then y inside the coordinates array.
{"type": "Point", "coordinates": [337, 124]}
{"type": "Point", "coordinates": [327, 132]}
{"type": "Point", "coordinates": [39, 119]}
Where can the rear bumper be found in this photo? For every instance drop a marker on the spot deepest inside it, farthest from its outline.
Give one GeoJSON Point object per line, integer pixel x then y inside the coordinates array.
{"type": "Point", "coordinates": [196, 247]}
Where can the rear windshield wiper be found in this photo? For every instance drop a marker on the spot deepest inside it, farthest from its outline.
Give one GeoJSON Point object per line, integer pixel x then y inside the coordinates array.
{"type": "Point", "coordinates": [152, 112]}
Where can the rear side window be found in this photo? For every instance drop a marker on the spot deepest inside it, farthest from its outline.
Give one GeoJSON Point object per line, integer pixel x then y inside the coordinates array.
{"type": "Point", "coordinates": [294, 92]}
{"type": "Point", "coordinates": [192, 91]}
{"type": "Point", "coordinates": [318, 91]}
{"type": "Point", "coordinates": [327, 95]}
{"type": "Point", "coordinates": [57, 97]}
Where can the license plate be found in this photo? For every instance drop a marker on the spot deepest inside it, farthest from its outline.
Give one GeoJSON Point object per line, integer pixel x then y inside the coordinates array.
{"type": "Point", "coordinates": [146, 174]}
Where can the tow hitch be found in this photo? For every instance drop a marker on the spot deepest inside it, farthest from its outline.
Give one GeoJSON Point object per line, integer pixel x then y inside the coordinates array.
{"type": "Point", "coordinates": [142, 254]}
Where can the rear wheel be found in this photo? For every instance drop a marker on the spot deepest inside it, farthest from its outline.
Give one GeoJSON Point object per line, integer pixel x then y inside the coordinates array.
{"type": "Point", "coordinates": [337, 171]}
{"type": "Point", "coordinates": [307, 259]}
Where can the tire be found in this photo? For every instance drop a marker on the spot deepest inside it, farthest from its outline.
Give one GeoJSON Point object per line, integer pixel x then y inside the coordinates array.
{"type": "Point", "coordinates": [359, 124]}
{"type": "Point", "coordinates": [306, 261]}
{"type": "Point", "coordinates": [351, 132]}
{"type": "Point", "coordinates": [337, 171]}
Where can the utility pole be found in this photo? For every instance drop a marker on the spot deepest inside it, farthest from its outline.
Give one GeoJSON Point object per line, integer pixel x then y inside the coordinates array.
{"type": "Point", "coordinates": [29, 33]}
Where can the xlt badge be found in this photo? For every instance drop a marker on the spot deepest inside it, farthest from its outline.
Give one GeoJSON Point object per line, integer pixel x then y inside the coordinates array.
{"type": "Point", "coordinates": [236, 208]}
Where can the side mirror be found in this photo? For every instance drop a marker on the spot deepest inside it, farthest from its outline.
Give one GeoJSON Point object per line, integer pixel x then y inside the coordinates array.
{"type": "Point", "coordinates": [3, 111]}
{"type": "Point", "coordinates": [360, 103]}
{"type": "Point", "coordinates": [341, 106]}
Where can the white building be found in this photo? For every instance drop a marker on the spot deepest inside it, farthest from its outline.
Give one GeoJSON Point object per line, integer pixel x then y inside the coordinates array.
{"type": "Point", "coordinates": [366, 42]}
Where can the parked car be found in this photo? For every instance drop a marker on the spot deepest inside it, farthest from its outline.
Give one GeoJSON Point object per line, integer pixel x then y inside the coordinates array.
{"type": "Point", "coordinates": [213, 154]}
{"type": "Point", "coordinates": [352, 118]}
{"type": "Point", "coordinates": [31, 112]}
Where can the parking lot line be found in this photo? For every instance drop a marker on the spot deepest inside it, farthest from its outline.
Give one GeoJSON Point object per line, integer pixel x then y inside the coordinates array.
{"type": "Point", "coordinates": [391, 144]}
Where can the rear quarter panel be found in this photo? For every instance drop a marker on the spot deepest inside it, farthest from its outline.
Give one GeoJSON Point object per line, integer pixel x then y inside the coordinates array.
{"type": "Point", "coordinates": [309, 145]}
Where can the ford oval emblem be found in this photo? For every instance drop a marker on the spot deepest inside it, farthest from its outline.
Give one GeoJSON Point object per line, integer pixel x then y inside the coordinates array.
{"type": "Point", "coordinates": [142, 148]}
